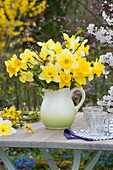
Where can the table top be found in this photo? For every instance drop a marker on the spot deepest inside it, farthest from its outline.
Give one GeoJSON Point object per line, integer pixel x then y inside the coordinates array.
{"type": "Point", "coordinates": [45, 138]}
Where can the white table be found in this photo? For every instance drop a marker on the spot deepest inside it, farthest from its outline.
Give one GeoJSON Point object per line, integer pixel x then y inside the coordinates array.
{"type": "Point", "coordinates": [43, 138]}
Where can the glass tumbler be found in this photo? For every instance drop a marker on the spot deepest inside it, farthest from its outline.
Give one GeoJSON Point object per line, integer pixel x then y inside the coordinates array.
{"type": "Point", "coordinates": [96, 120]}
{"type": "Point", "coordinates": [87, 113]}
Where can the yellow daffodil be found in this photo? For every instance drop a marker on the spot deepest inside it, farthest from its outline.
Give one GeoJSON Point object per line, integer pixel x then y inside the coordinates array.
{"type": "Point", "coordinates": [67, 60]}
{"type": "Point", "coordinates": [68, 41]}
{"type": "Point", "coordinates": [83, 69]}
{"type": "Point", "coordinates": [65, 79]}
{"type": "Point", "coordinates": [78, 85]}
{"type": "Point", "coordinates": [80, 80]}
{"type": "Point", "coordinates": [82, 50]}
{"type": "Point", "coordinates": [49, 44]}
{"type": "Point", "coordinates": [11, 68]}
{"type": "Point", "coordinates": [29, 57]}
{"type": "Point", "coordinates": [41, 44]}
{"type": "Point", "coordinates": [50, 73]}
{"type": "Point", "coordinates": [91, 75]}
{"type": "Point", "coordinates": [58, 48]}
{"type": "Point", "coordinates": [18, 63]}
{"type": "Point", "coordinates": [98, 67]}
{"type": "Point", "coordinates": [46, 54]}
{"type": "Point", "coordinates": [86, 50]}
{"type": "Point", "coordinates": [26, 76]}
{"type": "Point", "coordinates": [71, 43]}
{"type": "Point", "coordinates": [6, 127]}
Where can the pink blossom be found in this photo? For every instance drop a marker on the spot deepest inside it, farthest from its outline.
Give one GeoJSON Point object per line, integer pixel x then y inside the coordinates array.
{"type": "Point", "coordinates": [54, 18]}
{"type": "Point", "coordinates": [74, 95]}
{"type": "Point", "coordinates": [88, 89]}
{"type": "Point", "coordinates": [59, 20]}
{"type": "Point", "coordinates": [78, 92]}
{"type": "Point", "coordinates": [39, 28]}
{"type": "Point", "coordinates": [68, 30]}
{"type": "Point", "coordinates": [90, 84]}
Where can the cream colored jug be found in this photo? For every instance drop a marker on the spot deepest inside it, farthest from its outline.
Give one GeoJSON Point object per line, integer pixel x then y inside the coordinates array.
{"type": "Point", "coordinates": [58, 110]}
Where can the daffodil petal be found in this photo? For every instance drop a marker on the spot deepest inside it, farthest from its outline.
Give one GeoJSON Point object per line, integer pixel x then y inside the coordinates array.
{"type": "Point", "coordinates": [1, 120]}
{"type": "Point", "coordinates": [7, 121]}
{"type": "Point", "coordinates": [13, 131]}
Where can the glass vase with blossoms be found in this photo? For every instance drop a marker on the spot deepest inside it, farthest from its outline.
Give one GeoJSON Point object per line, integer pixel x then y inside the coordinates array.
{"type": "Point", "coordinates": [58, 69]}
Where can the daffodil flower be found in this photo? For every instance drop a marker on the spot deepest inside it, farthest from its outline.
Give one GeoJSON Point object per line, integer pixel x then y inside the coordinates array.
{"type": "Point", "coordinates": [67, 60]}
{"type": "Point", "coordinates": [26, 76]}
{"type": "Point", "coordinates": [50, 73]}
{"type": "Point", "coordinates": [6, 127]}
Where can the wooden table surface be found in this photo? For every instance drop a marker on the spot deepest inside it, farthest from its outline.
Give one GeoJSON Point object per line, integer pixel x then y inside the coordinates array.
{"type": "Point", "coordinates": [44, 138]}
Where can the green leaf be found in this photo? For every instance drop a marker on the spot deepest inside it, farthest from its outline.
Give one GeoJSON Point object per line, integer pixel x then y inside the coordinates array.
{"type": "Point", "coordinates": [99, 47]}
{"type": "Point", "coordinates": [81, 38]}
{"type": "Point", "coordinates": [40, 92]}
{"type": "Point", "coordinates": [79, 31]}
{"type": "Point", "coordinates": [92, 51]}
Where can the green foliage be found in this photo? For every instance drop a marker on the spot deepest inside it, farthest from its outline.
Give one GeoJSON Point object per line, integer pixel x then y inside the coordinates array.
{"type": "Point", "coordinates": [79, 31]}
{"type": "Point", "coordinates": [5, 92]}
{"type": "Point", "coordinates": [40, 92]}
{"type": "Point", "coordinates": [29, 116]}
{"type": "Point", "coordinates": [95, 54]}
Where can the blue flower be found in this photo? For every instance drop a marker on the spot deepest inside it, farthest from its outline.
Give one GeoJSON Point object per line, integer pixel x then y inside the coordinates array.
{"type": "Point", "coordinates": [102, 153]}
{"type": "Point", "coordinates": [24, 161]}
{"type": "Point", "coordinates": [109, 163]}
{"type": "Point", "coordinates": [61, 153]}
{"type": "Point", "coordinates": [83, 156]}
{"type": "Point", "coordinates": [105, 158]}
{"type": "Point", "coordinates": [27, 154]}
{"type": "Point", "coordinates": [111, 159]}
{"type": "Point", "coordinates": [102, 162]}
{"type": "Point", "coordinates": [16, 161]}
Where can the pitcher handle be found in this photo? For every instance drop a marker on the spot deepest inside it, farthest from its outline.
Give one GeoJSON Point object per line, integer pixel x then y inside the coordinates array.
{"type": "Point", "coordinates": [82, 99]}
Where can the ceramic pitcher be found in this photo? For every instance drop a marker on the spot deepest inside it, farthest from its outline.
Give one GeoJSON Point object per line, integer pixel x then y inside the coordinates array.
{"type": "Point", "coordinates": [58, 110]}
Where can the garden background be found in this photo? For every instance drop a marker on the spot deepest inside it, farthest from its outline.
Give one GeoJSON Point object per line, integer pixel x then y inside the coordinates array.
{"type": "Point", "coordinates": [25, 22]}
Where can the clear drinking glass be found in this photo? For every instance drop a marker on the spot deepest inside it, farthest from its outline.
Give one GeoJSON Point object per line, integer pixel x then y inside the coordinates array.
{"type": "Point", "coordinates": [96, 120]}
{"type": "Point", "coordinates": [98, 123]}
{"type": "Point", "coordinates": [87, 113]}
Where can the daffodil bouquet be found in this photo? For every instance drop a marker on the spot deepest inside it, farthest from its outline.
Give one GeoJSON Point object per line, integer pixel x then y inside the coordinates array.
{"type": "Point", "coordinates": [57, 65]}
